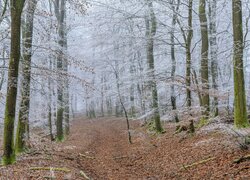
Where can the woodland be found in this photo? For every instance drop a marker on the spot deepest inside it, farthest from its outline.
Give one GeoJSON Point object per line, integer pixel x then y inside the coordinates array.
{"type": "Point", "coordinates": [124, 89]}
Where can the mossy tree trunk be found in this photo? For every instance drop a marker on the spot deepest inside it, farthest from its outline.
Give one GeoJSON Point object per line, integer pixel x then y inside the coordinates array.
{"type": "Point", "coordinates": [240, 108]}
{"type": "Point", "coordinates": [204, 59]}
{"type": "Point", "coordinates": [60, 15]}
{"type": "Point", "coordinates": [66, 87]}
{"type": "Point", "coordinates": [213, 52]}
{"type": "Point", "coordinates": [67, 109]}
{"type": "Point", "coordinates": [10, 107]}
{"type": "Point", "coordinates": [23, 116]}
{"type": "Point", "coordinates": [151, 27]}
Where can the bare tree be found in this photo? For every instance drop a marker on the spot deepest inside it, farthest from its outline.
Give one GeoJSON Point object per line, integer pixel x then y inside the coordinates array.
{"type": "Point", "coordinates": [204, 59]}
{"type": "Point", "coordinates": [22, 134]}
{"type": "Point", "coordinates": [240, 109]}
{"type": "Point", "coordinates": [10, 106]}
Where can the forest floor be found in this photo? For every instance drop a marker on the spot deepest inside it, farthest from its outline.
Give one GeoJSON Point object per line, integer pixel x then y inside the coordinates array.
{"type": "Point", "coordinates": [99, 149]}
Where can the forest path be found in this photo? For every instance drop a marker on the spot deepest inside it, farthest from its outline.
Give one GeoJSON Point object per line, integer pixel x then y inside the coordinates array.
{"type": "Point", "coordinates": [99, 148]}
{"type": "Point", "coordinates": [105, 144]}
{"type": "Point", "coordinates": [151, 156]}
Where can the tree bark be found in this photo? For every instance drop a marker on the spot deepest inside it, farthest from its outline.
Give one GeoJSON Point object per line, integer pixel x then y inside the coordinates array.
{"type": "Point", "coordinates": [175, 9]}
{"type": "Point", "coordinates": [240, 109]}
{"type": "Point", "coordinates": [10, 107]}
{"type": "Point", "coordinates": [60, 15]}
{"type": "Point", "coordinates": [188, 52]}
{"type": "Point", "coordinates": [213, 52]}
{"type": "Point", "coordinates": [204, 59]}
{"type": "Point", "coordinates": [151, 26]}
{"type": "Point", "coordinates": [22, 134]}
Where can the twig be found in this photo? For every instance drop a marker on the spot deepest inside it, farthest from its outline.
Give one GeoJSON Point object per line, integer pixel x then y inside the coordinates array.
{"type": "Point", "coordinates": [85, 156]}
{"type": "Point", "coordinates": [84, 175]}
{"type": "Point", "coordinates": [50, 168]}
{"type": "Point", "coordinates": [49, 177]}
{"type": "Point", "coordinates": [120, 157]}
{"type": "Point", "coordinates": [242, 159]}
{"type": "Point", "coordinates": [196, 163]}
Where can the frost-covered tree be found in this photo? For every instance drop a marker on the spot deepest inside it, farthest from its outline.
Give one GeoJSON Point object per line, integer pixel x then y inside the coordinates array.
{"type": "Point", "coordinates": [23, 116]}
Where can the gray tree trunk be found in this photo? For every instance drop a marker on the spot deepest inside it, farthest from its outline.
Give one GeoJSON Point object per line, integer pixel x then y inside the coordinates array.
{"type": "Point", "coordinates": [204, 59]}
{"type": "Point", "coordinates": [60, 15]}
{"type": "Point", "coordinates": [175, 9]}
{"type": "Point", "coordinates": [213, 51]}
{"type": "Point", "coordinates": [23, 116]}
{"type": "Point", "coordinates": [151, 26]}
{"type": "Point", "coordinates": [188, 52]}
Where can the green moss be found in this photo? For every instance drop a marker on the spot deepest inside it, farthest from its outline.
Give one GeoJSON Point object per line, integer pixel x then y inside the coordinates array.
{"type": "Point", "coordinates": [60, 139]}
{"type": "Point", "coordinates": [203, 122]}
{"type": "Point", "coordinates": [59, 125]}
{"type": "Point", "coordinates": [158, 126]}
{"type": "Point", "coordinates": [21, 150]}
{"type": "Point", "coordinates": [20, 142]}
{"type": "Point", "coordinates": [9, 153]}
{"type": "Point", "coordinates": [152, 127]}
{"type": "Point", "coordinates": [240, 110]}
{"type": "Point", "coordinates": [241, 125]}
{"type": "Point", "coordinates": [9, 160]}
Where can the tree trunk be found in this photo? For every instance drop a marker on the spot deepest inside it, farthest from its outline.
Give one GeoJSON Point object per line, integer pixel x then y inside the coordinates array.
{"type": "Point", "coordinates": [102, 95]}
{"type": "Point", "coordinates": [66, 89]}
{"type": "Point", "coordinates": [3, 71]}
{"type": "Point", "coordinates": [121, 102]}
{"type": "Point", "coordinates": [132, 88]}
{"type": "Point", "coordinates": [175, 8]}
{"type": "Point", "coordinates": [151, 26]}
{"type": "Point", "coordinates": [60, 15]}
{"type": "Point", "coordinates": [240, 110]}
{"type": "Point", "coordinates": [188, 52]}
{"type": "Point", "coordinates": [213, 52]}
{"type": "Point", "coordinates": [204, 59]}
{"type": "Point", "coordinates": [23, 116]}
{"type": "Point", "coordinates": [10, 107]}
{"type": "Point", "coordinates": [50, 102]}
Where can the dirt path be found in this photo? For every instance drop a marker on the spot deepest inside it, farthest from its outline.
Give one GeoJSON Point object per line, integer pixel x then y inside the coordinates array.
{"type": "Point", "coordinates": [107, 143]}
{"type": "Point", "coordinates": [100, 149]}
{"type": "Point", "coordinates": [153, 157]}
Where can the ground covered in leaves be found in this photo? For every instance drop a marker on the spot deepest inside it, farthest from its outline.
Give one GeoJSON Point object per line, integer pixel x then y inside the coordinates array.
{"type": "Point", "coordinates": [99, 149]}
